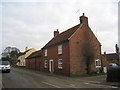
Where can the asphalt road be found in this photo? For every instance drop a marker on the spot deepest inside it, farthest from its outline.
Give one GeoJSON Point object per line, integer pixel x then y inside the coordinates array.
{"type": "Point", "coordinates": [23, 78]}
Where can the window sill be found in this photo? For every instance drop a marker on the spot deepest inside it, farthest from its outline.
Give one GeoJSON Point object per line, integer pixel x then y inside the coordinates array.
{"type": "Point", "coordinates": [98, 66]}
{"type": "Point", "coordinates": [60, 68]}
{"type": "Point", "coordinates": [60, 54]}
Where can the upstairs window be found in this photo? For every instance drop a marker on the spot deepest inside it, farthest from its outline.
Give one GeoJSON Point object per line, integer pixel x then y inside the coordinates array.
{"type": "Point", "coordinates": [98, 63]}
{"type": "Point", "coordinates": [45, 52]}
{"type": "Point", "coordinates": [60, 49]}
{"type": "Point", "coordinates": [60, 64]}
{"type": "Point", "coordinates": [45, 64]}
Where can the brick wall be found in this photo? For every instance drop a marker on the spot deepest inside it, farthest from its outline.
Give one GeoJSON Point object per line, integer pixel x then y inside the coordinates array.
{"type": "Point", "coordinates": [104, 61]}
{"type": "Point", "coordinates": [82, 42]}
{"type": "Point", "coordinates": [53, 55]}
{"type": "Point", "coordinates": [33, 63]}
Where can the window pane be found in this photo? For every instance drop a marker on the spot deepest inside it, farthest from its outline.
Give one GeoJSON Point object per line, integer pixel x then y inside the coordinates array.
{"type": "Point", "coordinates": [45, 52]}
{"type": "Point", "coordinates": [98, 63]}
{"type": "Point", "coordinates": [60, 63]}
{"type": "Point", "coordinates": [45, 64]}
{"type": "Point", "coordinates": [60, 49]}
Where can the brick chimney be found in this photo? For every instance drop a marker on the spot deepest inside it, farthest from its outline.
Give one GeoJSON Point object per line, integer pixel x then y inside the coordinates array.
{"type": "Point", "coordinates": [56, 33]}
{"type": "Point", "coordinates": [83, 19]}
{"type": "Point", "coordinates": [26, 48]}
{"type": "Point", "coordinates": [105, 54]}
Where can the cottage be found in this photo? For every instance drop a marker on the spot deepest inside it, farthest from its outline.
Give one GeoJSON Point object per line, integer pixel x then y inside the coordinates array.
{"type": "Point", "coordinates": [24, 55]}
{"type": "Point", "coordinates": [74, 51]}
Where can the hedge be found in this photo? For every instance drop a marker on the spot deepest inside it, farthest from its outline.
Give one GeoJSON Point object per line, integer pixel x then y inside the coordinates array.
{"type": "Point", "coordinates": [113, 75]}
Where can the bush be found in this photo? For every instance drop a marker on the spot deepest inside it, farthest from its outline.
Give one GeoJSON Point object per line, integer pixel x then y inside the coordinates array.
{"type": "Point", "coordinates": [113, 75]}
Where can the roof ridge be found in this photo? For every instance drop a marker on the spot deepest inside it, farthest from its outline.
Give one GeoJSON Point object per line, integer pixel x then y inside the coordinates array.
{"type": "Point", "coordinates": [34, 54]}
{"type": "Point", "coordinates": [69, 29]}
{"type": "Point", "coordinates": [62, 37]}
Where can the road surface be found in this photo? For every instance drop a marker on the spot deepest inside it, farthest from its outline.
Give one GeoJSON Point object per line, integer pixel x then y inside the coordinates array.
{"type": "Point", "coordinates": [24, 78]}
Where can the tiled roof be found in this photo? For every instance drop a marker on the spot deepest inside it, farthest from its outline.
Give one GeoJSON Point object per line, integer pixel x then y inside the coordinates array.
{"type": "Point", "coordinates": [112, 56]}
{"type": "Point", "coordinates": [35, 54]}
{"type": "Point", "coordinates": [62, 36]}
{"type": "Point", "coordinates": [22, 53]}
{"type": "Point", "coordinates": [26, 51]}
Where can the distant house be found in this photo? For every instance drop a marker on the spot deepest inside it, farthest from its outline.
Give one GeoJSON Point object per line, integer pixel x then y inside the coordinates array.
{"type": "Point", "coordinates": [24, 55]}
{"type": "Point", "coordinates": [74, 51]}
{"type": "Point", "coordinates": [34, 60]}
{"type": "Point", "coordinates": [111, 57]}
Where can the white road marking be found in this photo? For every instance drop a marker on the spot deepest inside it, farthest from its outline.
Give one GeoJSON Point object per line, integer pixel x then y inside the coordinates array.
{"type": "Point", "coordinates": [51, 84]}
{"type": "Point", "coordinates": [114, 87]}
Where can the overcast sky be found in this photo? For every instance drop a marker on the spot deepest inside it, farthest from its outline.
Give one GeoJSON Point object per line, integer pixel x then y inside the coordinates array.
{"type": "Point", "coordinates": [32, 22]}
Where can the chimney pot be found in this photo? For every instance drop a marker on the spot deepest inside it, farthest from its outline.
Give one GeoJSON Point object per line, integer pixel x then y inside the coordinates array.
{"type": "Point", "coordinates": [83, 14]}
{"type": "Point", "coordinates": [105, 54]}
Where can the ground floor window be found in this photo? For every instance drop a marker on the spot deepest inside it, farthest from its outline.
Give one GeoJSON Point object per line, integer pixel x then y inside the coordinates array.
{"type": "Point", "coordinates": [45, 64]}
{"type": "Point", "coordinates": [60, 63]}
{"type": "Point", "coordinates": [98, 63]}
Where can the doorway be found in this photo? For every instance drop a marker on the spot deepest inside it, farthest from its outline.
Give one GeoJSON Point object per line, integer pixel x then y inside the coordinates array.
{"type": "Point", "coordinates": [51, 66]}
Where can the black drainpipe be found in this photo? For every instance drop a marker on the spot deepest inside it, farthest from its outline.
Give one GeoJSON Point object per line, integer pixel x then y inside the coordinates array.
{"type": "Point", "coordinates": [101, 59]}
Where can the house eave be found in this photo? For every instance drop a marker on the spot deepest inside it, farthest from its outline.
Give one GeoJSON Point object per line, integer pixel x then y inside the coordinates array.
{"type": "Point", "coordinates": [33, 57]}
{"type": "Point", "coordinates": [65, 41]}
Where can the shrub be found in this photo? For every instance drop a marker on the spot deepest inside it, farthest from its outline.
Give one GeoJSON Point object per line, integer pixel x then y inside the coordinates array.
{"type": "Point", "coordinates": [113, 75]}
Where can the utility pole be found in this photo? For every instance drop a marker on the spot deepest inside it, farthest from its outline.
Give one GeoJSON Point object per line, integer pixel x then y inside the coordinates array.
{"type": "Point", "coordinates": [117, 52]}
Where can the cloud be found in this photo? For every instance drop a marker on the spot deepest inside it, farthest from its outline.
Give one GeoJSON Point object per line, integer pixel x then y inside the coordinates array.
{"type": "Point", "coordinates": [32, 22]}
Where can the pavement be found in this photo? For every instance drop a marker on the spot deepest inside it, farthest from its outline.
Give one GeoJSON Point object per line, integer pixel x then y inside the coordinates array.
{"type": "Point", "coordinates": [26, 78]}
{"type": "Point", "coordinates": [100, 79]}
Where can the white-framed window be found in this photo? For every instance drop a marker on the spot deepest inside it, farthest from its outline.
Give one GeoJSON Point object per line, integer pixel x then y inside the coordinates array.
{"type": "Point", "coordinates": [60, 49]}
{"type": "Point", "coordinates": [60, 63]}
{"type": "Point", "coordinates": [98, 63]}
{"type": "Point", "coordinates": [45, 64]}
{"type": "Point", "coordinates": [45, 52]}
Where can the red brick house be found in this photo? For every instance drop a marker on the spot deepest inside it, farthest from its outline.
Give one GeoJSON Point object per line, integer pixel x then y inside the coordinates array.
{"type": "Point", "coordinates": [108, 59]}
{"type": "Point", "coordinates": [111, 57]}
{"type": "Point", "coordinates": [74, 51]}
{"type": "Point", "coordinates": [33, 61]}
